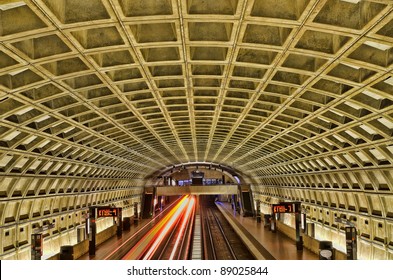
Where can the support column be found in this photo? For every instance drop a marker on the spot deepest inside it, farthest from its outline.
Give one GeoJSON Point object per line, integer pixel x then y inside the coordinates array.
{"type": "Point", "coordinates": [36, 246]}
{"type": "Point", "coordinates": [258, 212]}
{"type": "Point", "coordinates": [299, 238]}
{"type": "Point", "coordinates": [92, 231]}
{"type": "Point", "coordinates": [273, 225]}
{"type": "Point", "coordinates": [351, 243]}
{"type": "Point", "coordinates": [119, 222]}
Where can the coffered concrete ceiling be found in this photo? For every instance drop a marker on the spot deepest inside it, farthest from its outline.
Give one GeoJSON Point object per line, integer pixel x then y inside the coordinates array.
{"type": "Point", "coordinates": [126, 88]}
{"type": "Point", "coordinates": [100, 97]}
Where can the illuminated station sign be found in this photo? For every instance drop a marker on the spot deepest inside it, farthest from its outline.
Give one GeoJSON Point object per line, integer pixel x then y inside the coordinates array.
{"type": "Point", "coordinates": [286, 207]}
{"type": "Point", "coordinates": [107, 212]}
{"type": "Point", "coordinates": [289, 207]}
{"type": "Point", "coordinates": [102, 212]}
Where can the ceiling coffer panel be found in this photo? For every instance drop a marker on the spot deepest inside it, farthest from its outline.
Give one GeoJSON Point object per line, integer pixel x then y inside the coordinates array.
{"type": "Point", "coordinates": [266, 87]}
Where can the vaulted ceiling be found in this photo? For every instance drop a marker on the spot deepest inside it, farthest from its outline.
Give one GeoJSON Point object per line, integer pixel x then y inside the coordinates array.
{"type": "Point", "coordinates": [125, 88]}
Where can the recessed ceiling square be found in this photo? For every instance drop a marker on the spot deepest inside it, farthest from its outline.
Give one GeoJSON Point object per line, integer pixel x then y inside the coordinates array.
{"type": "Point", "coordinates": [208, 53]}
{"type": "Point", "coordinates": [218, 7]}
{"type": "Point", "coordinates": [322, 42]}
{"type": "Point", "coordinates": [209, 31]}
{"type": "Point", "coordinates": [241, 84]}
{"type": "Point", "coordinates": [154, 32]}
{"type": "Point", "coordinates": [331, 87]}
{"type": "Point", "coordinates": [160, 54]}
{"type": "Point", "coordinates": [173, 93]}
{"type": "Point", "coordinates": [72, 11]}
{"type": "Point", "coordinates": [206, 92]}
{"type": "Point", "coordinates": [124, 74]}
{"type": "Point", "coordinates": [113, 58]}
{"type": "Point", "coordinates": [256, 56]}
{"type": "Point", "coordinates": [207, 82]}
{"type": "Point", "coordinates": [286, 9]}
{"type": "Point", "coordinates": [96, 93]}
{"type": "Point", "coordinates": [290, 77]}
{"type": "Point", "coordinates": [6, 61]}
{"type": "Point", "coordinates": [98, 37]}
{"type": "Point", "coordinates": [19, 19]}
{"type": "Point", "coordinates": [42, 92]}
{"type": "Point", "coordinates": [279, 89]}
{"type": "Point", "coordinates": [135, 8]}
{"type": "Point", "coordinates": [347, 72]}
{"type": "Point", "coordinates": [248, 72]}
{"type": "Point", "coordinates": [40, 47]}
{"type": "Point", "coordinates": [166, 70]}
{"type": "Point", "coordinates": [19, 78]}
{"type": "Point", "coordinates": [170, 83]}
{"type": "Point", "coordinates": [349, 15]}
{"type": "Point", "coordinates": [207, 69]}
{"type": "Point", "coordinates": [303, 62]}
{"type": "Point", "coordinates": [373, 55]}
{"type": "Point", "coordinates": [387, 30]}
{"type": "Point", "coordinates": [65, 66]}
{"type": "Point", "coordinates": [266, 34]}
{"type": "Point", "coordinates": [135, 86]}
{"type": "Point", "coordinates": [83, 81]}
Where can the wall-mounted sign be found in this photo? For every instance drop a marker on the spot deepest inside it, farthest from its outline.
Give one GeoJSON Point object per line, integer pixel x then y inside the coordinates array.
{"type": "Point", "coordinates": [107, 212]}
{"type": "Point", "coordinates": [286, 207]}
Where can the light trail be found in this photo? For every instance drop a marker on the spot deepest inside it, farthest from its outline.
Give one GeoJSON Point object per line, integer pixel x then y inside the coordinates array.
{"type": "Point", "coordinates": [167, 227]}
{"type": "Point", "coordinates": [140, 248]}
{"type": "Point", "coordinates": [133, 236]}
{"type": "Point", "coordinates": [190, 208]}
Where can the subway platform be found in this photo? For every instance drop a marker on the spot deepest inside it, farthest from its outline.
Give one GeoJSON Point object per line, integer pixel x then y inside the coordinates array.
{"type": "Point", "coordinates": [262, 241]}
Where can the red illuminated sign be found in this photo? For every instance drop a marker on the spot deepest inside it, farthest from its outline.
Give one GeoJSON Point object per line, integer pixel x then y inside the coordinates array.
{"type": "Point", "coordinates": [107, 212]}
{"type": "Point", "coordinates": [286, 207]}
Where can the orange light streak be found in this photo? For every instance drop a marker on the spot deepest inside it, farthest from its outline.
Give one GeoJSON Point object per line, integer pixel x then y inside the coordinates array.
{"type": "Point", "coordinates": [135, 234]}
{"type": "Point", "coordinates": [167, 227]}
{"type": "Point", "coordinates": [191, 206]}
{"type": "Point", "coordinates": [140, 248]}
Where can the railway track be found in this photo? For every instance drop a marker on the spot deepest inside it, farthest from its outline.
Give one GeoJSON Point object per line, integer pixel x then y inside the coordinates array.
{"type": "Point", "coordinates": [178, 242]}
{"type": "Point", "coordinates": [220, 241]}
{"type": "Point", "coordinates": [124, 245]}
{"type": "Point", "coordinates": [170, 238]}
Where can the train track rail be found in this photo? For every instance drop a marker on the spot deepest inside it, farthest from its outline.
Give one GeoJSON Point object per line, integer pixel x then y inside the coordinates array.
{"type": "Point", "coordinates": [170, 239]}
{"type": "Point", "coordinates": [124, 245]}
{"type": "Point", "coordinates": [178, 243]}
{"type": "Point", "coordinates": [220, 241]}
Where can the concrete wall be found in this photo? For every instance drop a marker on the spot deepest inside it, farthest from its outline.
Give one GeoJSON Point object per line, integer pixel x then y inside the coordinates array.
{"type": "Point", "coordinates": [308, 242]}
{"type": "Point", "coordinates": [82, 248]}
{"type": "Point", "coordinates": [208, 189]}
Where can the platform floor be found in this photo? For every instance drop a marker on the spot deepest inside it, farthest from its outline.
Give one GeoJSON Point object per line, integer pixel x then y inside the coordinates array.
{"type": "Point", "coordinates": [277, 244]}
{"type": "Point", "coordinates": [106, 248]}
{"type": "Point", "coordinates": [272, 245]}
